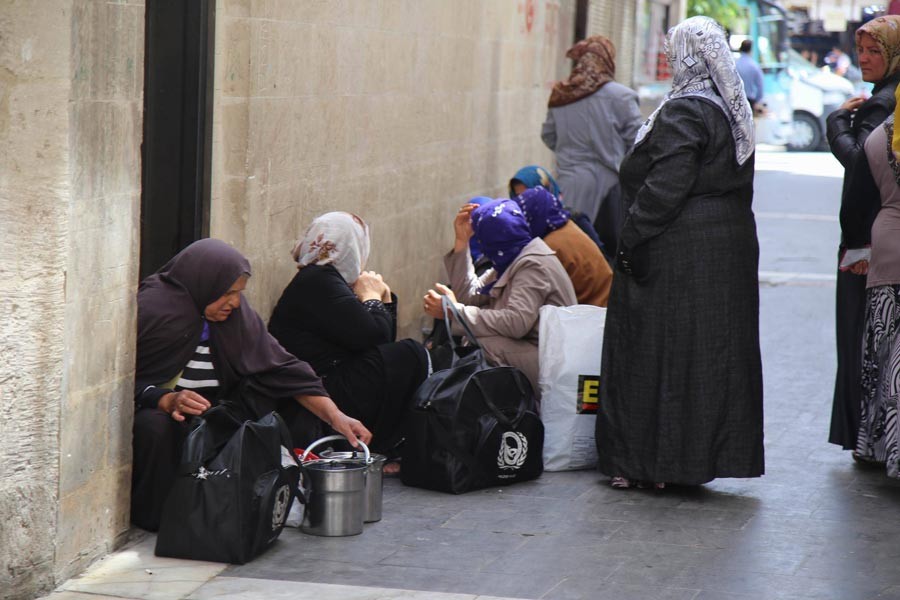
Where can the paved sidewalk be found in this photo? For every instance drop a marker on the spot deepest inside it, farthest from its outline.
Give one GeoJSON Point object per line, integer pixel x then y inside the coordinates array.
{"type": "Point", "coordinates": [815, 526]}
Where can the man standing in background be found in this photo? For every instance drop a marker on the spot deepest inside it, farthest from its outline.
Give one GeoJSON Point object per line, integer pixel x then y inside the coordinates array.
{"type": "Point", "coordinates": [751, 75]}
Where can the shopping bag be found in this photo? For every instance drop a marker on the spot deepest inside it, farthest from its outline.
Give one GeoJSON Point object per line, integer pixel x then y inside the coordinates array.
{"type": "Point", "coordinates": [570, 344]}
{"type": "Point", "coordinates": [472, 425]}
{"type": "Point", "coordinates": [235, 485]}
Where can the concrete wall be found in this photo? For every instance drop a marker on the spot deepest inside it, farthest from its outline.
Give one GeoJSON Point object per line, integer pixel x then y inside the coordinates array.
{"type": "Point", "coordinates": [71, 81]}
{"type": "Point", "coordinates": [397, 110]}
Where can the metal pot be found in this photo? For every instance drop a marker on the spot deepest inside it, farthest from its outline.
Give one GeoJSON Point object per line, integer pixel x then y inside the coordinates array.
{"type": "Point", "coordinates": [374, 481]}
{"type": "Point", "coordinates": [336, 503]}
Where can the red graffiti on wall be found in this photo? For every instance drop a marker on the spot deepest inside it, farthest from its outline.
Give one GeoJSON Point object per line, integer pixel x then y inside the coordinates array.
{"type": "Point", "coordinates": [529, 15]}
{"type": "Point", "coordinates": [551, 21]}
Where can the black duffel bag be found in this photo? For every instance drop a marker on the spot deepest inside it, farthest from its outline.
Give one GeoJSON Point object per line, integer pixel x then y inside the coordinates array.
{"type": "Point", "coordinates": [234, 488]}
{"type": "Point", "coordinates": [472, 426]}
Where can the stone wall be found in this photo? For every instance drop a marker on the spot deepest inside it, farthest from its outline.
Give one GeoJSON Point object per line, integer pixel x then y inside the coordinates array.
{"type": "Point", "coordinates": [105, 132]}
{"type": "Point", "coordinates": [34, 189]}
{"type": "Point", "coordinates": [397, 110]}
{"type": "Point", "coordinates": [71, 81]}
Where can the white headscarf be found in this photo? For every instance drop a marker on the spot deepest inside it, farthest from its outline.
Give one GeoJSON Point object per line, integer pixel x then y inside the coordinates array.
{"type": "Point", "coordinates": [699, 55]}
{"type": "Point", "coordinates": [336, 238]}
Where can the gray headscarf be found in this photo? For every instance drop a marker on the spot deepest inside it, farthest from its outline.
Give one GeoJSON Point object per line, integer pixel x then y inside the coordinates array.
{"type": "Point", "coordinates": [698, 52]}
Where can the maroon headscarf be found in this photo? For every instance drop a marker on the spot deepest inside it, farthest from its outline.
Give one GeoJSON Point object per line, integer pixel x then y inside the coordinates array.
{"type": "Point", "coordinates": [170, 320]}
{"type": "Point", "coordinates": [595, 66]}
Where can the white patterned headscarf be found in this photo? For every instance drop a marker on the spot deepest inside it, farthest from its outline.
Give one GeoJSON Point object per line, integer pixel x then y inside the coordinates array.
{"type": "Point", "coordinates": [698, 52]}
{"type": "Point", "coordinates": [340, 239]}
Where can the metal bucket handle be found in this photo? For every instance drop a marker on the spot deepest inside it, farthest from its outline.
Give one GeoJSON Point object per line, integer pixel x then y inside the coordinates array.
{"type": "Point", "coordinates": [330, 438]}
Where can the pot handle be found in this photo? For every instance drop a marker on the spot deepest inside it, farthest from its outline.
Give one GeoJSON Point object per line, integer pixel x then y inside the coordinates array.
{"type": "Point", "coordinates": [330, 438]}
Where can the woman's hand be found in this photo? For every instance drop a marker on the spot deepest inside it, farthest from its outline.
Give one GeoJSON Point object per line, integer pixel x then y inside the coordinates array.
{"type": "Point", "coordinates": [325, 408]}
{"type": "Point", "coordinates": [852, 104]}
{"type": "Point", "coordinates": [185, 402]}
{"type": "Point", "coordinates": [432, 301]}
{"type": "Point", "coordinates": [859, 268]}
{"type": "Point", "coordinates": [370, 286]}
{"type": "Point", "coordinates": [351, 428]}
{"type": "Point", "coordinates": [462, 227]}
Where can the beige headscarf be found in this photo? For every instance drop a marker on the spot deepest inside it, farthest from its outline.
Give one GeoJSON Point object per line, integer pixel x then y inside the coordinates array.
{"type": "Point", "coordinates": [595, 66]}
{"type": "Point", "coordinates": [340, 239]}
{"type": "Point", "coordinates": [886, 33]}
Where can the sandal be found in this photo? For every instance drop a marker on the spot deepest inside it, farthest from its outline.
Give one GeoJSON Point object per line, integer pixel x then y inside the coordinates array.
{"type": "Point", "coordinates": [620, 483]}
{"type": "Point", "coordinates": [647, 485]}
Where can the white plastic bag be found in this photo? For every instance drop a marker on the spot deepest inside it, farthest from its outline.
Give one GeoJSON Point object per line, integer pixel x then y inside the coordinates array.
{"type": "Point", "coordinates": [570, 341]}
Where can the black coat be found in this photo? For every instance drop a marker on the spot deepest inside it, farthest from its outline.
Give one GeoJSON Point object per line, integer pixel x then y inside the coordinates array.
{"type": "Point", "coordinates": [351, 346]}
{"type": "Point", "coordinates": [681, 376]}
{"type": "Point", "coordinates": [847, 133]}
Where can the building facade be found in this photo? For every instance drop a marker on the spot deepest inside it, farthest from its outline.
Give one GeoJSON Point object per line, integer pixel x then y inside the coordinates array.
{"type": "Point", "coordinates": [638, 30]}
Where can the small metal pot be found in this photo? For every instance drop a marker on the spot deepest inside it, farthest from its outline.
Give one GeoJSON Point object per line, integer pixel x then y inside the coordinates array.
{"type": "Point", "coordinates": [336, 503]}
{"type": "Point", "coordinates": [374, 481]}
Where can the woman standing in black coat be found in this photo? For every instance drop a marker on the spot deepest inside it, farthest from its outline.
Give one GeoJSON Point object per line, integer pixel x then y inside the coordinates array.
{"type": "Point", "coordinates": [343, 321]}
{"type": "Point", "coordinates": [681, 397]}
{"type": "Point", "coordinates": [878, 48]}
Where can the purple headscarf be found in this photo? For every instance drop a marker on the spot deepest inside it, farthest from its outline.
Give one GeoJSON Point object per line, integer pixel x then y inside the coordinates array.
{"type": "Point", "coordinates": [474, 246]}
{"type": "Point", "coordinates": [543, 211]}
{"type": "Point", "coordinates": [502, 231]}
{"type": "Point", "coordinates": [170, 321]}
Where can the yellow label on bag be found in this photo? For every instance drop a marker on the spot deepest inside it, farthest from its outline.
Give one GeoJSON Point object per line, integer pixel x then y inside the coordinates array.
{"type": "Point", "coordinates": [588, 394]}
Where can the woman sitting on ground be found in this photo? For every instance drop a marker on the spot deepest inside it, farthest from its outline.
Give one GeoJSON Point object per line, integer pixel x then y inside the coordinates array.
{"type": "Point", "coordinates": [547, 219]}
{"type": "Point", "coordinates": [198, 342]}
{"type": "Point", "coordinates": [343, 321]}
{"type": "Point", "coordinates": [502, 307]}
{"type": "Point", "coordinates": [532, 176]}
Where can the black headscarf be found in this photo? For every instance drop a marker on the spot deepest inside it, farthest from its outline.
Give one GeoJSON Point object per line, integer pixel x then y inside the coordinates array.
{"type": "Point", "coordinates": [170, 320]}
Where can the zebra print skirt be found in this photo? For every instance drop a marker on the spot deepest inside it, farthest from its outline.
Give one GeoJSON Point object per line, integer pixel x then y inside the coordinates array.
{"type": "Point", "coordinates": [878, 435]}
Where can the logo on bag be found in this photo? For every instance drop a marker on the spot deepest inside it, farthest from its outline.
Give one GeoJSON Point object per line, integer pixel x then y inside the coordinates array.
{"type": "Point", "coordinates": [513, 451]}
{"type": "Point", "coordinates": [588, 394]}
{"type": "Point", "coordinates": [279, 511]}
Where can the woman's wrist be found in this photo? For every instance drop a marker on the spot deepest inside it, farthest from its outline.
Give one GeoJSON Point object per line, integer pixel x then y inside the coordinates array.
{"type": "Point", "coordinates": [165, 402]}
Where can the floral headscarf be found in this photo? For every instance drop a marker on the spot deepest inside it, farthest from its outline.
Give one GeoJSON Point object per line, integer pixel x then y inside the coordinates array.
{"type": "Point", "coordinates": [502, 231]}
{"type": "Point", "coordinates": [886, 33]}
{"type": "Point", "coordinates": [533, 176]}
{"type": "Point", "coordinates": [703, 67]}
{"type": "Point", "coordinates": [543, 211]}
{"type": "Point", "coordinates": [595, 66]}
{"type": "Point", "coordinates": [340, 239]}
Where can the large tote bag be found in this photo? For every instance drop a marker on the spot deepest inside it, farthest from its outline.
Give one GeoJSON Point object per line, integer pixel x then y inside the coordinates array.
{"type": "Point", "coordinates": [472, 425]}
{"type": "Point", "coordinates": [571, 342]}
{"type": "Point", "coordinates": [234, 488]}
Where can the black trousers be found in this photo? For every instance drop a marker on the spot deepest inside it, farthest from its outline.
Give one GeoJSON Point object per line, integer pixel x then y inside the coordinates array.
{"type": "Point", "coordinates": [157, 445]}
{"type": "Point", "coordinates": [850, 323]}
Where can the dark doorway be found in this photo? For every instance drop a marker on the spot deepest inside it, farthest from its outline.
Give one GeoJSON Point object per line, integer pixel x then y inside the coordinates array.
{"type": "Point", "coordinates": [581, 19]}
{"type": "Point", "coordinates": [175, 190]}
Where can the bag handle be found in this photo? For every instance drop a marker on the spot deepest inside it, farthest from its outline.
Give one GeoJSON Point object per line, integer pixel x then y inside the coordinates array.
{"type": "Point", "coordinates": [497, 412]}
{"type": "Point", "coordinates": [449, 308]}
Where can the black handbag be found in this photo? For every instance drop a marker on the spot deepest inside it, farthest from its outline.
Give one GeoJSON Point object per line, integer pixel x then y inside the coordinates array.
{"type": "Point", "coordinates": [472, 425]}
{"type": "Point", "coordinates": [234, 488]}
